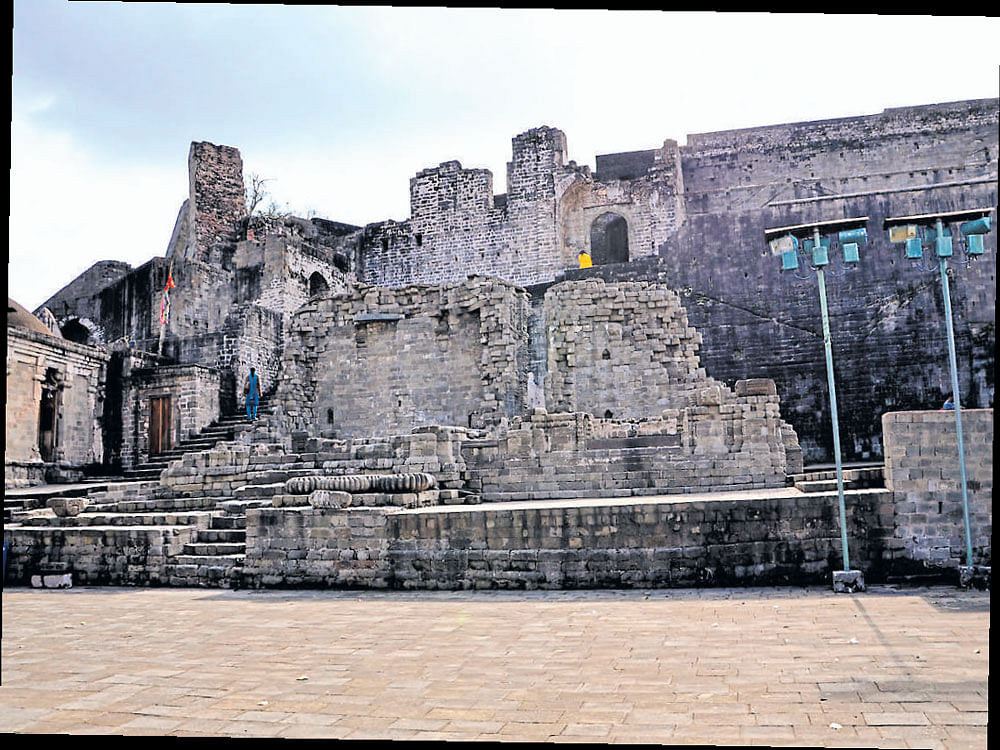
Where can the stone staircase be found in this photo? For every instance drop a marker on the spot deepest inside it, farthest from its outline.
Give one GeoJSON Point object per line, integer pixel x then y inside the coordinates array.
{"type": "Point", "coordinates": [824, 479]}
{"type": "Point", "coordinates": [101, 495]}
{"type": "Point", "coordinates": [215, 558]}
{"type": "Point", "coordinates": [226, 428]}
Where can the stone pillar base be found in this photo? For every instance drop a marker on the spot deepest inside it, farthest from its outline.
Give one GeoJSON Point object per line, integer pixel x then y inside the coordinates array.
{"type": "Point", "coordinates": [848, 581]}
{"type": "Point", "coordinates": [974, 575]}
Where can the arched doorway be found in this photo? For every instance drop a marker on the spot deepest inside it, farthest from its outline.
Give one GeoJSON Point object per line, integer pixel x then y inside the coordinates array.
{"type": "Point", "coordinates": [317, 284]}
{"type": "Point", "coordinates": [609, 239]}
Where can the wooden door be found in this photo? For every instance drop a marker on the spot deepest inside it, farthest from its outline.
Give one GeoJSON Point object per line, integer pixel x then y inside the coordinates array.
{"type": "Point", "coordinates": [159, 424]}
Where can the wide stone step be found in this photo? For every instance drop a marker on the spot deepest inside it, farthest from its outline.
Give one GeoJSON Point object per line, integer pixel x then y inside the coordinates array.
{"type": "Point", "coordinates": [213, 430]}
{"type": "Point", "coordinates": [214, 536]}
{"type": "Point", "coordinates": [143, 473]}
{"type": "Point", "coordinates": [117, 519]}
{"type": "Point", "coordinates": [208, 560]}
{"type": "Point", "coordinates": [159, 504]}
{"type": "Point", "coordinates": [239, 507]}
{"type": "Point", "coordinates": [249, 491]}
{"type": "Point", "coordinates": [229, 522]}
{"type": "Point", "coordinates": [232, 419]}
{"type": "Point", "coordinates": [215, 549]}
{"type": "Point", "coordinates": [196, 440]}
{"type": "Point", "coordinates": [861, 474]}
{"type": "Point", "coordinates": [820, 485]}
{"type": "Point", "coordinates": [827, 481]}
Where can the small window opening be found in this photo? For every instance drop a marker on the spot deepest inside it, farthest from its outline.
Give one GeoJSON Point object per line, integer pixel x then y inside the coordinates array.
{"type": "Point", "coordinates": [329, 416]}
{"type": "Point", "coordinates": [605, 354]}
{"type": "Point", "coordinates": [419, 238]}
{"type": "Point", "coordinates": [609, 239]}
{"type": "Point", "coordinates": [608, 414]}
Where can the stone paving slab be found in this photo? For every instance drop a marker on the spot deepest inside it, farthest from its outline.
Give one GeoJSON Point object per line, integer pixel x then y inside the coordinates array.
{"type": "Point", "coordinates": [894, 667]}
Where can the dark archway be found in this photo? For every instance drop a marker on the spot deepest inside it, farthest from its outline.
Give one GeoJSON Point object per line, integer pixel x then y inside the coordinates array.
{"type": "Point", "coordinates": [609, 239]}
{"type": "Point", "coordinates": [76, 332]}
{"type": "Point", "coordinates": [317, 284]}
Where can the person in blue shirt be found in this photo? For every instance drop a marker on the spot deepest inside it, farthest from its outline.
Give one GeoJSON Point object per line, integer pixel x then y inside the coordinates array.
{"type": "Point", "coordinates": [949, 405]}
{"type": "Point", "coordinates": [251, 390]}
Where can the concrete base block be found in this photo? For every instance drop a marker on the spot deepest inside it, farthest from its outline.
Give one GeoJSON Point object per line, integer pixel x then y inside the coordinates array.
{"type": "Point", "coordinates": [848, 581]}
{"type": "Point", "coordinates": [52, 581]}
{"type": "Point", "coordinates": [977, 576]}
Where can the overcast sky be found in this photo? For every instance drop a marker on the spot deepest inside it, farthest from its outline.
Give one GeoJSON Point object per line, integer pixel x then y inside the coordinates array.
{"type": "Point", "coordinates": [340, 106]}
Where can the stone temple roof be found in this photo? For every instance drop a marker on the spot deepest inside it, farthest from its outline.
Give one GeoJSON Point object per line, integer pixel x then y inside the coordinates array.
{"type": "Point", "coordinates": [18, 317]}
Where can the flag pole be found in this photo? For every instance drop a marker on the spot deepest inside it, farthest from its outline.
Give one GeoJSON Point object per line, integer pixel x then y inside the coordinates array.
{"type": "Point", "coordinates": [165, 308]}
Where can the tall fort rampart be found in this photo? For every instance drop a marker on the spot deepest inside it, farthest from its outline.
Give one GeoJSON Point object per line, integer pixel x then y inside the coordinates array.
{"type": "Point", "coordinates": [686, 217]}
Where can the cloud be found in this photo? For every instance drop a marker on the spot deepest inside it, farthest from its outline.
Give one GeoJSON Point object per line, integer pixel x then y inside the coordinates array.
{"type": "Point", "coordinates": [341, 106]}
{"type": "Point", "coordinates": [69, 210]}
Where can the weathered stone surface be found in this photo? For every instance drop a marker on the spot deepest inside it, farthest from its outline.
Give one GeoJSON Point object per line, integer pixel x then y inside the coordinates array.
{"type": "Point", "coordinates": [663, 210]}
{"type": "Point", "coordinates": [69, 377]}
{"type": "Point", "coordinates": [329, 499]}
{"type": "Point", "coordinates": [67, 506]}
{"type": "Point", "coordinates": [922, 470]}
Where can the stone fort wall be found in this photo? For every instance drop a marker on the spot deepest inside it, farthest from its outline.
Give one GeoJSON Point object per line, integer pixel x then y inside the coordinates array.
{"type": "Point", "coordinates": [689, 216]}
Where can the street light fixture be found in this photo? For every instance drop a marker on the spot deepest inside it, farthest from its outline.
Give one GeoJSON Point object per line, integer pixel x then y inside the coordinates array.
{"type": "Point", "coordinates": [791, 243]}
{"type": "Point", "coordinates": [974, 225]}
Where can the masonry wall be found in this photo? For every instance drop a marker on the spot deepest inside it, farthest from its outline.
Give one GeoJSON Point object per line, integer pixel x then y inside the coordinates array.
{"type": "Point", "coordinates": [194, 392]}
{"type": "Point", "coordinates": [80, 371]}
{"type": "Point", "coordinates": [646, 192]}
{"type": "Point", "coordinates": [619, 350]}
{"type": "Point", "coordinates": [887, 316]}
{"type": "Point", "coordinates": [80, 299]}
{"type": "Point", "coordinates": [381, 361]}
{"type": "Point", "coordinates": [317, 547]}
{"type": "Point", "coordinates": [114, 301]}
{"type": "Point", "coordinates": [712, 445]}
{"type": "Point", "coordinates": [699, 209]}
{"type": "Point", "coordinates": [97, 555]}
{"type": "Point", "coordinates": [922, 471]}
{"type": "Point", "coordinates": [607, 544]}
{"type": "Point", "coordinates": [745, 169]}
{"type": "Point", "coordinates": [728, 542]}
{"type": "Point", "coordinates": [457, 227]}
{"type": "Point", "coordinates": [217, 199]}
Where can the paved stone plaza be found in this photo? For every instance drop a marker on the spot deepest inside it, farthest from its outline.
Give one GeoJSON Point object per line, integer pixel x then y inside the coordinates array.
{"type": "Point", "coordinates": [895, 667]}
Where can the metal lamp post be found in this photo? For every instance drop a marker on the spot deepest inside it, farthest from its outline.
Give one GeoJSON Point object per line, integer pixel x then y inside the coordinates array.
{"type": "Point", "coordinates": [906, 230]}
{"type": "Point", "coordinates": [785, 241]}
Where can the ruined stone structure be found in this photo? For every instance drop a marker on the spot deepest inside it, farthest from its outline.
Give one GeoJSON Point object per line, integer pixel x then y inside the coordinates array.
{"type": "Point", "coordinates": [55, 402]}
{"type": "Point", "coordinates": [233, 515]}
{"type": "Point", "coordinates": [686, 218]}
{"type": "Point", "coordinates": [453, 404]}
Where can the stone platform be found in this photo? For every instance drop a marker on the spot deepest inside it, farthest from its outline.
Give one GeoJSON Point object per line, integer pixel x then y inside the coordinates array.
{"type": "Point", "coordinates": [894, 667]}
